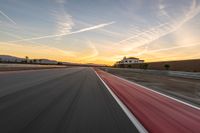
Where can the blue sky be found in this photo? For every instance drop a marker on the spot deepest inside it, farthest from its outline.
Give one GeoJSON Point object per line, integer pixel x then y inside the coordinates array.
{"type": "Point", "coordinates": [100, 31]}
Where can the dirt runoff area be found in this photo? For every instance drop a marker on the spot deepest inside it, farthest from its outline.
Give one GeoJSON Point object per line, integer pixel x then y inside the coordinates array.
{"type": "Point", "coordinates": [18, 67]}
{"type": "Point", "coordinates": [25, 68]}
{"type": "Point", "coordinates": [185, 89]}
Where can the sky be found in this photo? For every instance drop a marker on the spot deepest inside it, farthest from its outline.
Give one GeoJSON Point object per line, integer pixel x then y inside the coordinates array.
{"type": "Point", "coordinates": [100, 31]}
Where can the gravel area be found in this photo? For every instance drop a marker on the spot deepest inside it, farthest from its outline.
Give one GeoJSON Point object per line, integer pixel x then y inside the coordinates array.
{"type": "Point", "coordinates": [18, 67]}
{"type": "Point", "coordinates": [184, 89]}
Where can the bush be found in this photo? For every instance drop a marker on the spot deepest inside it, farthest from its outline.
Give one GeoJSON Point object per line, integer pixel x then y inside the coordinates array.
{"type": "Point", "coordinates": [121, 65]}
{"type": "Point", "coordinates": [167, 66]}
{"type": "Point", "coordinates": [144, 66]}
{"type": "Point", "coordinates": [59, 63]}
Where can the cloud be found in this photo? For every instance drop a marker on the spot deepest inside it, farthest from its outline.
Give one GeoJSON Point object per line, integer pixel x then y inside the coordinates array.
{"type": "Point", "coordinates": [162, 11]}
{"type": "Point", "coordinates": [178, 46]}
{"type": "Point", "coordinates": [93, 49]}
{"type": "Point", "coordinates": [64, 21]}
{"type": "Point", "coordinates": [6, 16]}
{"type": "Point", "coordinates": [142, 52]}
{"type": "Point", "coordinates": [65, 34]}
{"type": "Point", "coordinates": [156, 32]}
{"type": "Point", "coordinates": [175, 47]}
{"type": "Point", "coordinates": [92, 54]}
{"type": "Point", "coordinates": [146, 33]}
{"type": "Point", "coordinates": [60, 1]}
{"type": "Point", "coordinates": [143, 37]}
{"type": "Point", "coordinates": [11, 35]}
{"type": "Point", "coordinates": [17, 37]}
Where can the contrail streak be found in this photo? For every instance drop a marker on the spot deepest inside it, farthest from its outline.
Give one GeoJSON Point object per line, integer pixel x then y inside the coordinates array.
{"type": "Point", "coordinates": [65, 34]}
{"type": "Point", "coordinates": [171, 48]}
{"type": "Point", "coordinates": [95, 27]}
{"type": "Point", "coordinates": [6, 16]}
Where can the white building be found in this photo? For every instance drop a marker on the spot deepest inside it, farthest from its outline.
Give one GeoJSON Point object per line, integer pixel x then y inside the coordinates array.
{"type": "Point", "coordinates": [130, 60]}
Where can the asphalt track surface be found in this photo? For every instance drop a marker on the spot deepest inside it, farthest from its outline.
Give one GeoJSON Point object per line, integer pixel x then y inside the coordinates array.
{"type": "Point", "coordinates": [156, 112]}
{"type": "Point", "coordinates": [71, 100]}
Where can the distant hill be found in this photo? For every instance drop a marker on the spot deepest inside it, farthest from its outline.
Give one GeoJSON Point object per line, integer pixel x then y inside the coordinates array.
{"type": "Point", "coordinates": [13, 59]}
{"type": "Point", "coordinates": [8, 58]}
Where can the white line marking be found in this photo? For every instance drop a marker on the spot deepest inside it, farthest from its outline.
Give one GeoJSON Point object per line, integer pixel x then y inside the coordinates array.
{"type": "Point", "coordinates": [158, 92]}
{"type": "Point", "coordinates": [132, 118]}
